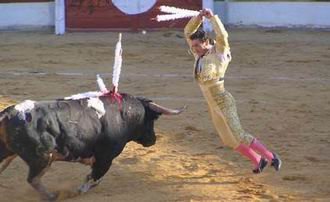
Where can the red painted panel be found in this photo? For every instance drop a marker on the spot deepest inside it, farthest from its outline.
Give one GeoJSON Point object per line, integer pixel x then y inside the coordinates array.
{"type": "Point", "coordinates": [24, 1]}
{"type": "Point", "coordinates": [102, 14]}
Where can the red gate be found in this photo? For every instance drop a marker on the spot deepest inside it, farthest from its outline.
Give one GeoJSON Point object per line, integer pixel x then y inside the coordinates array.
{"type": "Point", "coordinates": [117, 15]}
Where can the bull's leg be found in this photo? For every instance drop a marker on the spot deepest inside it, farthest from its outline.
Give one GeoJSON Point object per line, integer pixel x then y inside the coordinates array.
{"type": "Point", "coordinates": [103, 160]}
{"type": "Point", "coordinates": [6, 163]}
{"type": "Point", "coordinates": [6, 156]}
{"type": "Point", "coordinates": [36, 171]}
{"type": "Point", "coordinates": [98, 171]}
{"type": "Point", "coordinates": [87, 161]}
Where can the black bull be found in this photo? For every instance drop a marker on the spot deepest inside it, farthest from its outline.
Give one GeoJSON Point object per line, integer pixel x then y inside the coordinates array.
{"type": "Point", "coordinates": [71, 130]}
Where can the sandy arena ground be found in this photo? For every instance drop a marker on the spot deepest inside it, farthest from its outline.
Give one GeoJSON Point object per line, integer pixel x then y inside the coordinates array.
{"type": "Point", "coordinates": [280, 79]}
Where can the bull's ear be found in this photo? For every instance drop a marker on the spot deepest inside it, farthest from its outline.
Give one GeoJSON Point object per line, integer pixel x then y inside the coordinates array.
{"type": "Point", "coordinates": [144, 101]}
{"type": "Point", "coordinates": [166, 111]}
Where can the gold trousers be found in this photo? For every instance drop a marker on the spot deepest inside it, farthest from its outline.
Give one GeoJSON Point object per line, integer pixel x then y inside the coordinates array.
{"type": "Point", "coordinates": [222, 108]}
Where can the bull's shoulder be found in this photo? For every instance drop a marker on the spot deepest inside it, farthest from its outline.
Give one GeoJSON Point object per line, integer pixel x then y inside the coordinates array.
{"type": "Point", "coordinates": [125, 100]}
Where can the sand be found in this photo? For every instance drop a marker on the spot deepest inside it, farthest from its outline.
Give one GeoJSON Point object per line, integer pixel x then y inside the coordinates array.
{"type": "Point", "coordinates": [280, 79]}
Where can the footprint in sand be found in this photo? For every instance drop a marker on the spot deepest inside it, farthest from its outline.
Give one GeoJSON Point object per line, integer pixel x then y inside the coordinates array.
{"type": "Point", "coordinates": [294, 178]}
{"type": "Point", "coordinates": [144, 152]}
{"type": "Point", "coordinates": [129, 161]}
{"type": "Point", "coordinates": [312, 159]}
{"type": "Point", "coordinates": [67, 194]}
{"type": "Point", "coordinates": [192, 128]}
{"type": "Point", "coordinates": [252, 189]}
{"type": "Point", "coordinates": [215, 171]}
{"type": "Point", "coordinates": [180, 137]}
{"type": "Point", "coordinates": [191, 167]}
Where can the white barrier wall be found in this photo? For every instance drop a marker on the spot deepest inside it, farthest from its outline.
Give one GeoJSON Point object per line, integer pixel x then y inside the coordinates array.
{"type": "Point", "coordinates": [272, 14]}
{"type": "Point", "coordinates": [208, 4]}
{"type": "Point", "coordinates": [266, 14]}
{"type": "Point", "coordinates": [16, 15]}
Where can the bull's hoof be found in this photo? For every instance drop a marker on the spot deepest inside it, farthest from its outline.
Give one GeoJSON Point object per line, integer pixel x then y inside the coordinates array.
{"type": "Point", "coordinates": [148, 144]}
{"type": "Point", "coordinates": [50, 197]}
{"type": "Point", "coordinates": [88, 185]}
{"type": "Point", "coordinates": [84, 188]}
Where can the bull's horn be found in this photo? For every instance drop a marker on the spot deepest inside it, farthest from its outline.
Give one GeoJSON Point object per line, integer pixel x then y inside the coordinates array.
{"type": "Point", "coordinates": [163, 110]}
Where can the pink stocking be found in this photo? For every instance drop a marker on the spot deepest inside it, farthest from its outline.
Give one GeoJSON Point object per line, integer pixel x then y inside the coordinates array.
{"type": "Point", "coordinates": [249, 153]}
{"type": "Point", "coordinates": [261, 149]}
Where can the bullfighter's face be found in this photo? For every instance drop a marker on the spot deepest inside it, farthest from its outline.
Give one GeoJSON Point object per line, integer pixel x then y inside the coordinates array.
{"type": "Point", "coordinates": [199, 47]}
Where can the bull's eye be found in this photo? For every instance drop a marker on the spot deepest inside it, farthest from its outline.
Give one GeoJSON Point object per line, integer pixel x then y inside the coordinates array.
{"type": "Point", "coordinates": [28, 117]}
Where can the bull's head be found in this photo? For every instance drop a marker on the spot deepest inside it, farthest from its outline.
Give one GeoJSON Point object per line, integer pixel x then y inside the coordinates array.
{"type": "Point", "coordinates": [152, 113]}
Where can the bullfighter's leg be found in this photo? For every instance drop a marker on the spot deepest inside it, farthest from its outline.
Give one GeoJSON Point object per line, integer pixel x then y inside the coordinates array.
{"type": "Point", "coordinates": [37, 168]}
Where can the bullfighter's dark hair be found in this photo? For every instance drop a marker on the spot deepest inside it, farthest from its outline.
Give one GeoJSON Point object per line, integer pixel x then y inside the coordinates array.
{"type": "Point", "coordinates": [200, 35]}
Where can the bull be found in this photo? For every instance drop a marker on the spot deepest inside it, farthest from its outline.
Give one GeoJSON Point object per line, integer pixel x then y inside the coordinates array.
{"type": "Point", "coordinates": [92, 130]}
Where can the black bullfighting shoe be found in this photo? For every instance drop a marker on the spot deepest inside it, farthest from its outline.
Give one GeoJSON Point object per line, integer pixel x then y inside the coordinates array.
{"type": "Point", "coordinates": [276, 162]}
{"type": "Point", "coordinates": [262, 164]}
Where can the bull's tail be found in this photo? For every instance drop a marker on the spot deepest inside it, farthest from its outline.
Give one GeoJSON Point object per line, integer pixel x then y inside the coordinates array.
{"type": "Point", "coordinates": [6, 155]}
